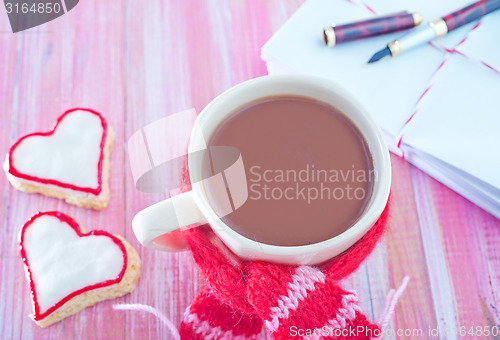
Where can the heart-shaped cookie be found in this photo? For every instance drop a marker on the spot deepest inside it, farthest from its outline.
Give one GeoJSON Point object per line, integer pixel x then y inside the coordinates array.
{"type": "Point", "coordinates": [69, 270]}
{"type": "Point", "coordinates": [70, 162]}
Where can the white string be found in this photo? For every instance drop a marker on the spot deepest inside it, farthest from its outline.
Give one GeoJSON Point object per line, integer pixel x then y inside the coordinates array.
{"type": "Point", "coordinates": [145, 308]}
{"type": "Point", "coordinates": [390, 303]}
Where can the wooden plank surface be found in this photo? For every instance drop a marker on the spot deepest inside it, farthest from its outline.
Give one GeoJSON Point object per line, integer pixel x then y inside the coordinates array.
{"type": "Point", "coordinates": [138, 61]}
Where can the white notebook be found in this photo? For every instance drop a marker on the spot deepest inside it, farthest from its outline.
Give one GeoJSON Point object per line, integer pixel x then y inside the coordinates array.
{"type": "Point", "coordinates": [454, 130]}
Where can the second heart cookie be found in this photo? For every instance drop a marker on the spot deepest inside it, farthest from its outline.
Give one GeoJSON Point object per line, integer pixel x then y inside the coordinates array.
{"type": "Point", "coordinates": [68, 269]}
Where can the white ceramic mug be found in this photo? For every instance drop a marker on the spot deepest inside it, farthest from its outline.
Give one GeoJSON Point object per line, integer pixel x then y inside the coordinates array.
{"type": "Point", "coordinates": [193, 207]}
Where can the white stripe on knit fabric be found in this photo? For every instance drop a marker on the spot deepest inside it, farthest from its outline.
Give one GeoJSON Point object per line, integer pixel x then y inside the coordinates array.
{"type": "Point", "coordinates": [208, 332]}
{"type": "Point", "coordinates": [303, 281]}
{"type": "Point", "coordinates": [344, 314]}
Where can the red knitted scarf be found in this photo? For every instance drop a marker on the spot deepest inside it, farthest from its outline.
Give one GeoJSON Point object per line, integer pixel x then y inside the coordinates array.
{"type": "Point", "coordinates": [292, 302]}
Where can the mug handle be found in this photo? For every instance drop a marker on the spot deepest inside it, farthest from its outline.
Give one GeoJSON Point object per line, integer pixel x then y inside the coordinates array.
{"type": "Point", "coordinates": [158, 226]}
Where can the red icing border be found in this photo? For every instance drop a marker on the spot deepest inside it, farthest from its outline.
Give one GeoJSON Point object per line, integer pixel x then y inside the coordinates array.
{"type": "Point", "coordinates": [73, 224]}
{"type": "Point", "coordinates": [96, 191]}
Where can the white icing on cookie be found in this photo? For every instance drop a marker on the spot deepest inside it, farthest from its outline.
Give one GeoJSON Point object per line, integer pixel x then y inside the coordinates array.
{"type": "Point", "coordinates": [61, 262]}
{"type": "Point", "coordinates": [80, 193]}
{"type": "Point", "coordinates": [70, 155]}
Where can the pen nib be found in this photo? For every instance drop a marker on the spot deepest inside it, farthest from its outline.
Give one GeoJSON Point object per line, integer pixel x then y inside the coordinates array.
{"type": "Point", "coordinates": [379, 55]}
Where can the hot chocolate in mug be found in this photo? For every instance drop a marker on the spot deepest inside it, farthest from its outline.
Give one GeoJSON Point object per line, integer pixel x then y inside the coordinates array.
{"type": "Point", "coordinates": [195, 207]}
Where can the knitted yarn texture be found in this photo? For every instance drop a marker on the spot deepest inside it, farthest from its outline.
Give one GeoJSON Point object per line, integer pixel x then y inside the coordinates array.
{"type": "Point", "coordinates": [242, 297]}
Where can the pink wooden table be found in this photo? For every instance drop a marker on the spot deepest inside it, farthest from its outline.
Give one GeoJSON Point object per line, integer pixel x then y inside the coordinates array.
{"type": "Point", "coordinates": [137, 61]}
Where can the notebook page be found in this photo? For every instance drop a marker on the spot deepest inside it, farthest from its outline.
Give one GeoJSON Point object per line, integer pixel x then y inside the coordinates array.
{"type": "Point", "coordinates": [458, 120]}
{"type": "Point", "coordinates": [483, 43]}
